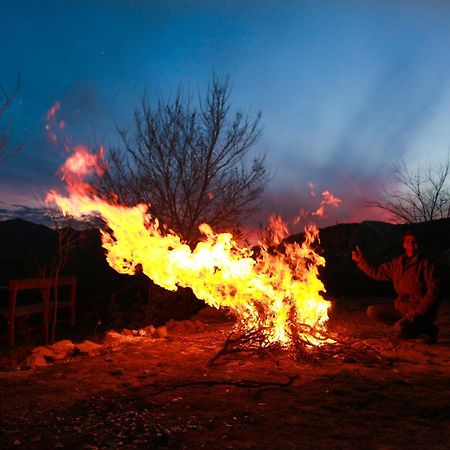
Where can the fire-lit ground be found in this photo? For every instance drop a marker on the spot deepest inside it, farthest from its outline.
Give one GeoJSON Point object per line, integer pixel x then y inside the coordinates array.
{"type": "Point", "coordinates": [161, 393]}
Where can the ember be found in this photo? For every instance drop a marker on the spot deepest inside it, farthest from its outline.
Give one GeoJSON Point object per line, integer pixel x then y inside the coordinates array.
{"type": "Point", "coordinates": [278, 292]}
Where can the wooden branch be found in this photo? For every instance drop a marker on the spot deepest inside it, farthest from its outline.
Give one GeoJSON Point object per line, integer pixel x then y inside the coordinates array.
{"type": "Point", "coordinates": [247, 384]}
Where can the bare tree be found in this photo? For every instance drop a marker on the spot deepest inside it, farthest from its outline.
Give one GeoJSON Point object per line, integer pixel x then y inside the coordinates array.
{"type": "Point", "coordinates": [66, 240]}
{"type": "Point", "coordinates": [6, 149]}
{"type": "Point", "coordinates": [190, 163]}
{"type": "Point", "coordinates": [422, 195]}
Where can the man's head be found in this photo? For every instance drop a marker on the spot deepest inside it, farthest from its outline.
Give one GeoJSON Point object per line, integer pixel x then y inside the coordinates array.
{"type": "Point", "coordinates": [410, 243]}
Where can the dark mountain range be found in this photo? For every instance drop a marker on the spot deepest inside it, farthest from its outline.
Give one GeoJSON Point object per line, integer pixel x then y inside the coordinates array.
{"type": "Point", "coordinates": [27, 249]}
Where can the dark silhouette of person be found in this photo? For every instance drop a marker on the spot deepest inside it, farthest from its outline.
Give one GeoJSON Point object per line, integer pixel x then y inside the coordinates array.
{"type": "Point", "coordinates": [416, 283]}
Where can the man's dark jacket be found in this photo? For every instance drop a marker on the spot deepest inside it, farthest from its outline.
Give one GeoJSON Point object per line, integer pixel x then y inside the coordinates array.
{"type": "Point", "coordinates": [414, 280]}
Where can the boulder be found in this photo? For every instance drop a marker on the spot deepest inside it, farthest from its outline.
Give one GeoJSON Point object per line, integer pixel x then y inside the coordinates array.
{"type": "Point", "coordinates": [162, 331]}
{"type": "Point", "coordinates": [35, 360]}
{"type": "Point", "coordinates": [88, 348]}
{"type": "Point", "coordinates": [62, 349]}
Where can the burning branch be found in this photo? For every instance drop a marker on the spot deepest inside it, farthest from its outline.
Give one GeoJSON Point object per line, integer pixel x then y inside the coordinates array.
{"type": "Point", "coordinates": [252, 341]}
{"type": "Point", "coordinates": [302, 346]}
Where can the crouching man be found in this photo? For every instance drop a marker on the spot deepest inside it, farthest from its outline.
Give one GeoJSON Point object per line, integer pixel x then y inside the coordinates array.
{"type": "Point", "coordinates": [415, 281]}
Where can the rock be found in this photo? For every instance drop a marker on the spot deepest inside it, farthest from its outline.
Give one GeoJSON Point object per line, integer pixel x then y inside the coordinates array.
{"type": "Point", "coordinates": [89, 348]}
{"type": "Point", "coordinates": [150, 331]}
{"type": "Point", "coordinates": [112, 337]}
{"type": "Point", "coordinates": [41, 355]}
{"type": "Point", "coordinates": [35, 360]}
{"type": "Point", "coordinates": [162, 331]}
{"type": "Point", "coordinates": [43, 351]}
{"type": "Point", "coordinates": [61, 349]}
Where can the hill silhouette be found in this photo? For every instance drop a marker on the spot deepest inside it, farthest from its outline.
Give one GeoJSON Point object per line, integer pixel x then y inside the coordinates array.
{"type": "Point", "coordinates": [27, 249]}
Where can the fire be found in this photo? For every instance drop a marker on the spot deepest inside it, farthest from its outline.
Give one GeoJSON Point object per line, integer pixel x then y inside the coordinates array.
{"type": "Point", "coordinates": [51, 123]}
{"type": "Point", "coordinates": [78, 166]}
{"type": "Point", "coordinates": [277, 291]}
{"type": "Point", "coordinates": [51, 113]}
{"type": "Point", "coordinates": [327, 199]}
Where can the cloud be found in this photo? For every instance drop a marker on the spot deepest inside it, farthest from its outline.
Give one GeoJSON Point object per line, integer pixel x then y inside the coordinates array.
{"type": "Point", "coordinates": [31, 214]}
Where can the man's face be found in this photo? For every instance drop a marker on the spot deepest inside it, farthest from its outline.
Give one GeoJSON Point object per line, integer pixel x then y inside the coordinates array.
{"type": "Point", "coordinates": [410, 245]}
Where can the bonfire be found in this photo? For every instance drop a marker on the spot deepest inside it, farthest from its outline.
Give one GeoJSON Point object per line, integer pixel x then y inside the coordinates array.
{"type": "Point", "coordinates": [276, 291]}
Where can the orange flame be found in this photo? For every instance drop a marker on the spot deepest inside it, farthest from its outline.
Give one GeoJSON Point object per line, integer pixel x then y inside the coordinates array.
{"type": "Point", "coordinates": [300, 216]}
{"type": "Point", "coordinates": [327, 199]}
{"type": "Point", "coordinates": [51, 124]}
{"type": "Point", "coordinates": [273, 291]}
{"type": "Point", "coordinates": [51, 113]}
{"type": "Point", "coordinates": [78, 166]}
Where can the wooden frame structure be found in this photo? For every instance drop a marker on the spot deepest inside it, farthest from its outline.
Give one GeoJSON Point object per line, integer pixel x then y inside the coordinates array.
{"type": "Point", "coordinates": [42, 302]}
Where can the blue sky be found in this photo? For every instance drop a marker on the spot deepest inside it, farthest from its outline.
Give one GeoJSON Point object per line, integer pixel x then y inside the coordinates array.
{"type": "Point", "coordinates": [346, 88]}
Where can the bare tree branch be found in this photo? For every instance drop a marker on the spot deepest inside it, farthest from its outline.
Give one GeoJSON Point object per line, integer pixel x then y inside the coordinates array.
{"type": "Point", "coordinates": [190, 162]}
{"type": "Point", "coordinates": [6, 150]}
{"type": "Point", "coordinates": [422, 195]}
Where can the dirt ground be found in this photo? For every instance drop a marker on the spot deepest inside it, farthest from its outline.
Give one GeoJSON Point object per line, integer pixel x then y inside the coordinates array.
{"type": "Point", "coordinates": [157, 393]}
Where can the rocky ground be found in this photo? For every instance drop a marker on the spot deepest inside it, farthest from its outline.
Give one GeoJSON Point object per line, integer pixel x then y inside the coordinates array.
{"type": "Point", "coordinates": [157, 390]}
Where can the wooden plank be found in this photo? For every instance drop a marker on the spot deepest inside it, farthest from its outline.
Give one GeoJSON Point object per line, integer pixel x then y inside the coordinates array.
{"type": "Point", "coordinates": [45, 285]}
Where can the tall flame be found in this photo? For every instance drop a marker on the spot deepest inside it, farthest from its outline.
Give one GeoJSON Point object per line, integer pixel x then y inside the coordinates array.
{"type": "Point", "coordinates": [274, 291]}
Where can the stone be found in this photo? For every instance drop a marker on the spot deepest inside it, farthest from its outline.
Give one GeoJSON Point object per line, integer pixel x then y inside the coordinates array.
{"type": "Point", "coordinates": [35, 360]}
{"type": "Point", "coordinates": [62, 349]}
{"type": "Point", "coordinates": [89, 348]}
{"type": "Point", "coordinates": [150, 330]}
{"type": "Point", "coordinates": [162, 331]}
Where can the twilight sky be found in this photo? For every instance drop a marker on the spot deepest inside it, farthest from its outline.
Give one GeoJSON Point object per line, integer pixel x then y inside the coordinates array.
{"type": "Point", "coordinates": [346, 88]}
